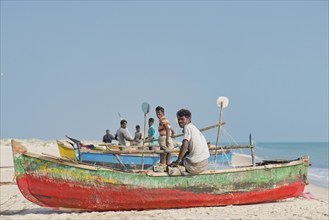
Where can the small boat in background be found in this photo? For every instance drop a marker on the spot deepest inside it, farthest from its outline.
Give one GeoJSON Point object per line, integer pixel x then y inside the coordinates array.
{"type": "Point", "coordinates": [66, 151]}
{"type": "Point", "coordinates": [131, 158]}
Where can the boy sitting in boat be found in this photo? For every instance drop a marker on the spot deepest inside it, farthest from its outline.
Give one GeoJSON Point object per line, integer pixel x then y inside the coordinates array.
{"type": "Point", "coordinates": [194, 152]}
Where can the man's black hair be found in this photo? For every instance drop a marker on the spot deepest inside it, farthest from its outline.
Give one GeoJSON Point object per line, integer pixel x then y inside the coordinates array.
{"type": "Point", "coordinates": [159, 108]}
{"type": "Point", "coordinates": [184, 112]}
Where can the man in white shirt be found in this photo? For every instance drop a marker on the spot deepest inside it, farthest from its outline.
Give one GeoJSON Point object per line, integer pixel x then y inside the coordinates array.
{"type": "Point", "coordinates": [194, 151]}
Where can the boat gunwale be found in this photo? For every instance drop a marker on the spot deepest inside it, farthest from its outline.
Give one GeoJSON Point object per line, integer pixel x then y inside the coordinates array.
{"type": "Point", "coordinates": [21, 150]}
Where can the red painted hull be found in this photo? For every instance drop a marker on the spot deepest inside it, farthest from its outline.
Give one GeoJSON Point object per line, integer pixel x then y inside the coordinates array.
{"type": "Point", "coordinates": [47, 193]}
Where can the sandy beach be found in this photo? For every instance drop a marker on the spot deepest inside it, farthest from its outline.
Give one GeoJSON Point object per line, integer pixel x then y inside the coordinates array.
{"type": "Point", "coordinates": [312, 205]}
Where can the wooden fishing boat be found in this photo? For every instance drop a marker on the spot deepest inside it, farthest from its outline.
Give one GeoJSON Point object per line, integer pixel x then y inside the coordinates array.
{"type": "Point", "coordinates": [71, 185]}
{"type": "Point", "coordinates": [129, 159]}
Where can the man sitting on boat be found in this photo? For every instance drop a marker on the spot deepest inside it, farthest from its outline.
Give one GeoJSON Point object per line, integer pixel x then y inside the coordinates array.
{"type": "Point", "coordinates": [194, 152]}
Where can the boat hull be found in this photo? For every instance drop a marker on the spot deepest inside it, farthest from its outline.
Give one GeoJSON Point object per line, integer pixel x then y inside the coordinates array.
{"type": "Point", "coordinates": [119, 197]}
{"type": "Point", "coordinates": [61, 184]}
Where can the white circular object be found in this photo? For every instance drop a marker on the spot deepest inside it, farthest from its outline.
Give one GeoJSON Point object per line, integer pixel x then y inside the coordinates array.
{"type": "Point", "coordinates": [222, 101]}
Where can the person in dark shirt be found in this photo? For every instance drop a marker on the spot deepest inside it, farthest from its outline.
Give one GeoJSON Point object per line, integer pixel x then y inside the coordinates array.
{"type": "Point", "coordinates": [107, 138]}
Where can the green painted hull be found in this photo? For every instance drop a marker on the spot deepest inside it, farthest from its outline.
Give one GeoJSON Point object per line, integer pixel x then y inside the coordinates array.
{"type": "Point", "coordinates": [61, 184]}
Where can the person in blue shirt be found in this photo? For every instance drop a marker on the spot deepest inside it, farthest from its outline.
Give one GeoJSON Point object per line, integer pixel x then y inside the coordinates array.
{"type": "Point", "coordinates": [152, 134]}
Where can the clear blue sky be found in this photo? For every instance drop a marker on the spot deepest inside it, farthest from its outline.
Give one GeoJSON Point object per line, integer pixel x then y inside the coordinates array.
{"type": "Point", "coordinates": [70, 67]}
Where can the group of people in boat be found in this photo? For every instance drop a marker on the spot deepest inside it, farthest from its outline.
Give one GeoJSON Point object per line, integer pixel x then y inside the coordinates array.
{"type": "Point", "coordinates": [193, 154]}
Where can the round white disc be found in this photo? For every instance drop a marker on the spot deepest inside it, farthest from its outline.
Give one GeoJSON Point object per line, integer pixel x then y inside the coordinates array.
{"type": "Point", "coordinates": [222, 100]}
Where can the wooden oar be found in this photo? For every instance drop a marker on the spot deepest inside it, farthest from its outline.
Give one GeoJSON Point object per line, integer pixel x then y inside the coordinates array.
{"type": "Point", "coordinates": [222, 148]}
{"type": "Point", "coordinates": [252, 151]}
{"type": "Point", "coordinates": [145, 109]}
{"type": "Point", "coordinates": [222, 102]}
{"type": "Point", "coordinates": [120, 162]}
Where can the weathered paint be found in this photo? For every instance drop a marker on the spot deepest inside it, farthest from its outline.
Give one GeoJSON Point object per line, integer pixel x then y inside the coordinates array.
{"type": "Point", "coordinates": [66, 152]}
{"type": "Point", "coordinates": [51, 183]}
{"type": "Point", "coordinates": [56, 194]}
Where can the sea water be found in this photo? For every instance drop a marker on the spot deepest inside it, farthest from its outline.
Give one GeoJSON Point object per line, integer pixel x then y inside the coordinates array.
{"type": "Point", "coordinates": [318, 173]}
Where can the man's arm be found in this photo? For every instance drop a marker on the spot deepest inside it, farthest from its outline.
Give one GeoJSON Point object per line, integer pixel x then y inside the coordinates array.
{"type": "Point", "coordinates": [182, 152]}
{"type": "Point", "coordinates": [167, 135]}
{"type": "Point", "coordinates": [172, 132]}
{"type": "Point", "coordinates": [127, 136]}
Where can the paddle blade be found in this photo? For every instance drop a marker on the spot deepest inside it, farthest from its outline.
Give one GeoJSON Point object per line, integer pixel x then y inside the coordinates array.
{"type": "Point", "coordinates": [74, 140]}
{"type": "Point", "coordinates": [146, 107]}
{"type": "Point", "coordinates": [222, 101]}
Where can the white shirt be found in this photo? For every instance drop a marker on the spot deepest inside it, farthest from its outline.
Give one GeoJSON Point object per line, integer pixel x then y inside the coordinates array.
{"type": "Point", "coordinates": [123, 135]}
{"type": "Point", "coordinates": [198, 147]}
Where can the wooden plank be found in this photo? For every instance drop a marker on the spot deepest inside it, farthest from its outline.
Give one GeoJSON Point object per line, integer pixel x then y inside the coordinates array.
{"type": "Point", "coordinates": [133, 151]}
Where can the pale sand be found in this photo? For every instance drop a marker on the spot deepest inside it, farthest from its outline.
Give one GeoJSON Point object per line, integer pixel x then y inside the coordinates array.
{"type": "Point", "coordinates": [314, 204]}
